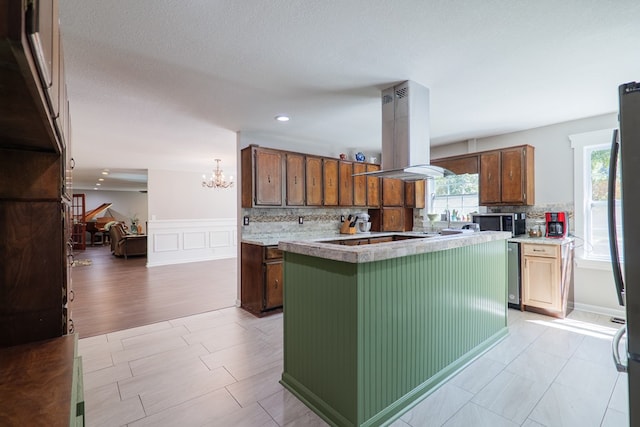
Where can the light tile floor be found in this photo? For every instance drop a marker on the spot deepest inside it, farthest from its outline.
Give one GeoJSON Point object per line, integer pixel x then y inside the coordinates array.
{"type": "Point", "coordinates": [222, 369]}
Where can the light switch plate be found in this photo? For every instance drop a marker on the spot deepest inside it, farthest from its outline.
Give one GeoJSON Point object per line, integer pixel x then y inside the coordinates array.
{"type": "Point", "coordinates": [245, 220]}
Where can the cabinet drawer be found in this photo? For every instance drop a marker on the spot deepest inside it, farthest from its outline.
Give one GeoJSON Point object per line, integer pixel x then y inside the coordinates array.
{"type": "Point", "coordinates": [540, 250]}
{"type": "Point", "coordinates": [272, 252]}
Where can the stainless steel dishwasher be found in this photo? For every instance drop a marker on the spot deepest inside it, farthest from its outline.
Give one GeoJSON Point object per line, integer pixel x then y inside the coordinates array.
{"type": "Point", "coordinates": [513, 275]}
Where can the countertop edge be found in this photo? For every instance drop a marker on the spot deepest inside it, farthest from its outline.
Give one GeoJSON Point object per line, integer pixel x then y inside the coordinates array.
{"type": "Point", "coordinates": [542, 240]}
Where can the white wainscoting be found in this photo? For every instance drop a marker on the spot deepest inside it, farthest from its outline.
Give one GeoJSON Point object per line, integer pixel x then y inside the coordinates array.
{"type": "Point", "coordinates": [190, 240]}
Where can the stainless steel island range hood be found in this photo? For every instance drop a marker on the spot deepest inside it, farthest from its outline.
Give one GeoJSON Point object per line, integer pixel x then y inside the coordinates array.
{"type": "Point", "coordinates": [405, 134]}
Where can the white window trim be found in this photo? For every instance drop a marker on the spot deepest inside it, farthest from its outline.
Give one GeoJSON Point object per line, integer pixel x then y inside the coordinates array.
{"type": "Point", "coordinates": [580, 189]}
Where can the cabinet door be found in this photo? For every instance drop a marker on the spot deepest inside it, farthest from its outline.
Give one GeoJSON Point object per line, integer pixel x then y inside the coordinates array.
{"type": "Point", "coordinates": [414, 196]}
{"type": "Point", "coordinates": [394, 219]}
{"type": "Point", "coordinates": [392, 192]}
{"type": "Point", "coordinates": [359, 185]}
{"type": "Point", "coordinates": [512, 176]}
{"type": "Point", "coordinates": [44, 41]}
{"type": "Point", "coordinates": [268, 177]}
{"type": "Point", "coordinates": [295, 180]}
{"type": "Point", "coordinates": [489, 186]}
{"type": "Point", "coordinates": [459, 165]}
{"type": "Point", "coordinates": [373, 187]}
{"type": "Point", "coordinates": [346, 183]}
{"type": "Point", "coordinates": [273, 285]}
{"type": "Point", "coordinates": [541, 282]}
{"type": "Point", "coordinates": [314, 181]}
{"type": "Point", "coordinates": [330, 182]}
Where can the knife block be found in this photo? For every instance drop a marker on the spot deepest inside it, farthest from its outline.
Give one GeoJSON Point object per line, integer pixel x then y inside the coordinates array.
{"type": "Point", "coordinates": [345, 229]}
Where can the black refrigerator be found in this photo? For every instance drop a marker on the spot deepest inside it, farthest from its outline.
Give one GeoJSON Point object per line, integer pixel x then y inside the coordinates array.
{"type": "Point", "coordinates": [627, 276]}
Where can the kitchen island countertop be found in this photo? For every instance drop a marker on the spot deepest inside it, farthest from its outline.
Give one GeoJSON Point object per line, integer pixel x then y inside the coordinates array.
{"type": "Point", "coordinates": [327, 249]}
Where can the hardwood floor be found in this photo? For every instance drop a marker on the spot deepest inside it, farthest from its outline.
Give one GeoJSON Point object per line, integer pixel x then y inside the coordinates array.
{"type": "Point", "coordinates": [113, 294]}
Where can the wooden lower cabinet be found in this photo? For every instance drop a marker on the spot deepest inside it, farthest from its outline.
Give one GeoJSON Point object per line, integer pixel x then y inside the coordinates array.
{"type": "Point", "coordinates": [547, 278]}
{"type": "Point", "coordinates": [261, 280]}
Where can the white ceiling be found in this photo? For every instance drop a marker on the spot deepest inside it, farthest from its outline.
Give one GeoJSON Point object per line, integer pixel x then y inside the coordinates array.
{"type": "Point", "coordinates": [165, 84]}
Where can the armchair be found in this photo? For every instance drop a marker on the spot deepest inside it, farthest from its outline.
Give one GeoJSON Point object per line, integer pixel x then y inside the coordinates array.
{"type": "Point", "coordinates": [123, 244]}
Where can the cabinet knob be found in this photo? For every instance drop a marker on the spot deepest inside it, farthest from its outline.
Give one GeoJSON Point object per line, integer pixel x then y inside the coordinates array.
{"type": "Point", "coordinates": [295, 180]}
{"type": "Point", "coordinates": [269, 178]}
{"type": "Point", "coordinates": [276, 285]}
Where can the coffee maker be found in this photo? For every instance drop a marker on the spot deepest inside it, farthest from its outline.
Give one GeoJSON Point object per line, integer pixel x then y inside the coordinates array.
{"type": "Point", "coordinates": [557, 224]}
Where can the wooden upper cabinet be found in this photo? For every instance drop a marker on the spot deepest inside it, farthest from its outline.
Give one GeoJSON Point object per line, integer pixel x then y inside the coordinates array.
{"type": "Point", "coordinates": [330, 182]}
{"type": "Point", "coordinates": [346, 183]}
{"type": "Point", "coordinates": [414, 194]}
{"type": "Point", "coordinates": [460, 164]}
{"type": "Point", "coordinates": [489, 185]}
{"type": "Point", "coordinates": [295, 179]}
{"type": "Point", "coordinates": [392, 192]}
{"type": "Point", "coordinates": [268, 177]}
{"type": "Point", "coordinates": [391, 219]}
{"type": "Point", "coordinates": [44, 41]}
{"type": "Point", "coordinates": [507, 176]}
{"type": "Point", "coordinates": [513, 179]}
{"type": "Point", "coordinates": [314, 181]}
{"type": "Point", "coordinates": [373, 187]}
{"type": "Point", "coordinates": [32, 81]}
{"type": "Point", "coordinates": [359, 185]}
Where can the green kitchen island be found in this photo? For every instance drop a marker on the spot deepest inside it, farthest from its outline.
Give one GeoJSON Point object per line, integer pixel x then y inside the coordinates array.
{"type": "Point", "coordinates": [371, 328]}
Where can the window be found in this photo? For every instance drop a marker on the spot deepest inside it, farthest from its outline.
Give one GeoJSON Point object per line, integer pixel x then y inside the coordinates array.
{"type": "Point", "coordinates": [458, 194]}
{"type": "Point", "coordinates": [591, 175]}
{"type": "Point", "coordinates": [596, 215]}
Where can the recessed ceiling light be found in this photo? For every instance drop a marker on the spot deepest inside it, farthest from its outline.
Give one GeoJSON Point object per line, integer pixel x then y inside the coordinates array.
{"type": "Point", "coordinates": [105, 172]}
{"type": "Point", "coordinates": [100, 179]}
{"type": "Point", "coordinates": [282, 118]}
{"type": "Point", "coordinates": [98, 184]}
{"type": "Point", "coordinates": [95, 188]}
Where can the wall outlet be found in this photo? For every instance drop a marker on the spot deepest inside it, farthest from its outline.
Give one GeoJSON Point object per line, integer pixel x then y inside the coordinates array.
{"type": "Point", "coordinates": [341, 218]}
{"type": "Point", "coordinates": [245, 220]}
{"type": "Point", "coordinates": [300, 221]}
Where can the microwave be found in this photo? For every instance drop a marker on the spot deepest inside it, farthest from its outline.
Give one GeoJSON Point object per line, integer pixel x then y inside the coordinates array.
{"type": "Point", "coordinates": [511, 222]}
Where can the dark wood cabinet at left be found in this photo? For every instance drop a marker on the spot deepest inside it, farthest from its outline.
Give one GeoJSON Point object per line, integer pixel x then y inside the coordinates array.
{"type": "Point", "coordinates": [35, 192]}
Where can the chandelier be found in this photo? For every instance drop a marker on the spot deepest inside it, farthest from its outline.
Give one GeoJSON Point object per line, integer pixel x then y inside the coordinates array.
{"type": "Point", "coordinates": [217, 178]}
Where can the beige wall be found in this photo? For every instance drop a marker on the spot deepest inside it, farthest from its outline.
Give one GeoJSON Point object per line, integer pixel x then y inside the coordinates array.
{"type": "Point", "coordinates": [180, 195]}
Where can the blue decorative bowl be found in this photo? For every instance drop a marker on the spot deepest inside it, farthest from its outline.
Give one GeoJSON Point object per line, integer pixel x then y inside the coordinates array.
{"type": "Point", "coordinates": [360, 157]}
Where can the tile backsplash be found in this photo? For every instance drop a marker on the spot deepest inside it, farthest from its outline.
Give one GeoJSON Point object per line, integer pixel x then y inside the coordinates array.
{"type": "Point", "coordinates": [319, 221]}
{"type": "Point", "coordinates": [264, 221]}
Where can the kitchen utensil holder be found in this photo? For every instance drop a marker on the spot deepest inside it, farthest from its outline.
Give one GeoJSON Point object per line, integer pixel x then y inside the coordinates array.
{"type": "Point", "coordinates": [345, 229]}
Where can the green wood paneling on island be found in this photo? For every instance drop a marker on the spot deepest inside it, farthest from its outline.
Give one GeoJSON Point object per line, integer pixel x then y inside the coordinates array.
{"type": "Point", "coordinates": [363, 342]}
